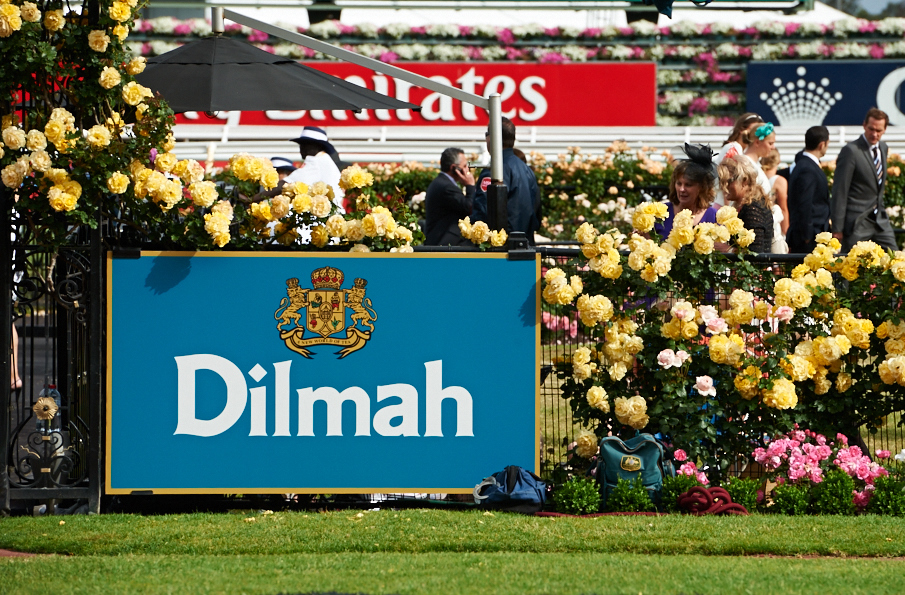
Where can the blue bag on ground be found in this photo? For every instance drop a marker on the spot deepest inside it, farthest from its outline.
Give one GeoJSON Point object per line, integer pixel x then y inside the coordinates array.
{"type": "Point", "coordinates": [642, 456]}
{"type": "Point", "coordinates": [513, 489]}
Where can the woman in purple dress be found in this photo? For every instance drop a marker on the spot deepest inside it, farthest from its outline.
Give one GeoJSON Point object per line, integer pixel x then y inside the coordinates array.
{"type": "Point", "coordinates": [691, 188]}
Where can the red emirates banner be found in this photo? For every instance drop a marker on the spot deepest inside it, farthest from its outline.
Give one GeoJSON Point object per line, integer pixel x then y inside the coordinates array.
{"type": "Point", "coordinates": [592, 94]}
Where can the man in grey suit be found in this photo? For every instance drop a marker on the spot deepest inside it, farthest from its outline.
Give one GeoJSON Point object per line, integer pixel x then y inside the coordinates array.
{"type": "Point", "coordinates": [445, 202]}
{"type": "Point", "coordinates": [858, 211]}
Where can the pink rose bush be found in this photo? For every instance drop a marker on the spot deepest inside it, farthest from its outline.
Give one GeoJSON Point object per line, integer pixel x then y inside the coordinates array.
{"type": "Point", "coordinates": [804, 457]}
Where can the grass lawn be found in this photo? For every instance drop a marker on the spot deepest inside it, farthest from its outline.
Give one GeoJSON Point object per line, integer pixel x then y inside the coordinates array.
{"type": "Point", "coordinates": [429, 551]}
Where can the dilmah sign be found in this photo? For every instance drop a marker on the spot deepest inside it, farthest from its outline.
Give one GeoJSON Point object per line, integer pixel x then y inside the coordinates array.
{"type": "Point", "coordinates": [264, 374]}
{"type": "Point", "coordinates": [592, 94]}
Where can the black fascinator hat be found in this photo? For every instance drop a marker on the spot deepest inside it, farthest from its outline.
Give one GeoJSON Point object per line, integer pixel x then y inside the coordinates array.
{"type": "Point", "coordinates": [699, 161]}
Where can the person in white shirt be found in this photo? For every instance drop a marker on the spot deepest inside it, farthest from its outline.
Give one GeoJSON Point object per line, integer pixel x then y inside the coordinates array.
{"type": "Point", "coordinates": [319, 165]}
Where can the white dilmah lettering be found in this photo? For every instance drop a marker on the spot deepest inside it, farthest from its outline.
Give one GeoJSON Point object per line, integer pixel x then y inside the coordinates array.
{"type": "Point", "coordinates": [405, 412]}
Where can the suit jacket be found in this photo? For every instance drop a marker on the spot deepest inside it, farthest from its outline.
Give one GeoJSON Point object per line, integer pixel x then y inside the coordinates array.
{"type": "Point", "coordinates": [446, 204]}
{"type": "Point", "coordinates": [809, 204]}
{"type": "Point", "coordinates": [856, 191]}
{"type": "Point", "coordinates": [523, 204]}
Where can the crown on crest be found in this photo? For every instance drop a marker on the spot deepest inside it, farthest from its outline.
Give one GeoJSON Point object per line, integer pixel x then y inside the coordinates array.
{"type": "Point", "coordinates": [327, 278]}
{"type": "Point", "coordinates": [360, 283]}
{"type": "Point", "coordinates": [801, 102]}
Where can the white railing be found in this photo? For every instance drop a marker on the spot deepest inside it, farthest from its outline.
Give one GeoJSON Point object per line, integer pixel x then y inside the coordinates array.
{"type": "Point", "coordinates": [425, 143]}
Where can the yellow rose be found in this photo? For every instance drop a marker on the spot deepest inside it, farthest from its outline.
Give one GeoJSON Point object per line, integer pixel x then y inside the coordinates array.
{"type": "Point", "coordinates": [120, 11]}
{"type": "Point", "coordinates": [354, 231]}
{"type": "Point", "coordinates": [12, 176]}
{"type": "Point", "coordinates": [121, 32]}
{"type": "Point", "coordinates": [301, 203]}
{"type": "Point", "coordinates": [734, 225]}
{"type": "Point", "coordinates": [10, 19]}
{"type": "Point", "coordinates": [54, 20]}
{"type": "Point", "coordinates": [98, 136]}
{"type": "Point", "coordinates": [280, 207]}
{"type": "Point", "coordinates": [165, 162]}
{"type": "Point", "coordinates": [745, 238]}
{"type": "Point", "coordinates": [35, 140]}
{"type": "Point", "coordinates": [136, 65]}
{"type": "Point", "coordinates": [321, 206]}
{"type": "Point", "coordinates": [270, 179]}
{"type": "Point", "coordinates": [746, 382]}
{"type": "Point", "coordinates": [843, 382]}
{"type": "Point", "coordinates": [40, 160]}
{"type": "Point", "coordinates": [117, 183]}
{"type": "Point", "coordinates": [133, 93]}
{"type": "Point", "coordinates": [336, 226]}
{"type": "Point", "coordinates": [98, 41]}
{"type": "Point", "coordinates": [14, 137]}
{"type": "Point", "coordinates": [498, 238]}
{"type": "Point", "coordinates": [586, 233]}
{"type": "Point", "coordinates": [782, 395]}
{"type": "Point", "coordinates": [319, 236]}
{"type": "Point", "coordinates": [30, 12]}
{"type": "Point", "coordinates": [725, 213]}
{"type": "Point", "coordinates": [203, 193]}
{"type": "Point", "coordinates": [632, 411]}
{"type": "Point", "coordinates": [586, 444]}
{"type": "Point", "coordinates": [703, 245]}
{"type": "Point", "coordinates": [597, 398]}
{"type": "Point", "coordinates": [110, 77]}
{"type": "Point", "coordinates": [480, 232]}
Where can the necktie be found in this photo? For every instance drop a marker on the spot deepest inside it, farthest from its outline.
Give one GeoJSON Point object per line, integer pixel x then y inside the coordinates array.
{"type": "Point", "coordinates": [878, 166]}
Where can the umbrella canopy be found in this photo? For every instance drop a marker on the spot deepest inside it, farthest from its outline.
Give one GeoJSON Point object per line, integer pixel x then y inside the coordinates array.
{"type": "Point", "coordinates": [222, 74]}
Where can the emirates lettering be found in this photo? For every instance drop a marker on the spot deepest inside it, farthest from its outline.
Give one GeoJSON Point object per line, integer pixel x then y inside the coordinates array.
{"type": "Point", "coordinates": [435, 106]}
{"type": "Point", "coordinates": [400, 417]}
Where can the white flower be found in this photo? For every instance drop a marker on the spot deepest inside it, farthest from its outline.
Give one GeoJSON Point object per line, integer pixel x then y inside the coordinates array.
{"type": "Point", "coordinates": [901, 456]}
{"type": "Point", "coordinates": [482, 30]}
{"type": "Point", "coordinates": [367, 30]}
{"type": "Point", "coordinates": [324, 29]}
{"type": "Point", "coordinates": [644, 28]}
{"type": "Point", "coordinates": [493, 52]}
{"type": "Point", "coordinates": [443, 30]}
{"type": "Point", "coordinates": [891, 26]}
{"type": "Point", "coordinates": [726, 50]}
{"type": "Point", "coordinates": [449, 53]}
{"type": "Point", "coordinates": [851, 50]}
{"type": "Point", "coordinates": [704, 386]}
{"type": "Point", "coordinates": [621, 52]}
{"type": "Point", "coordinates": [397, 30]}
{"type": "Point", "coordinates": [774, 28]}
{"type": "Point", "coordinates": [768, 51]}
{"type": "Point", "coordinates": [575, 53]}
{"type": "Point", "coordinates": [845, 27]}
{"type": "Point", "coordinates": [528, 30]}
{"type": "Point", "coordinates": [164, 25]}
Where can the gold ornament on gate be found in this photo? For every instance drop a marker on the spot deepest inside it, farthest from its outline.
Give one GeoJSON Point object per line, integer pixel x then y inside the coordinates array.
{"type": "Point", "coordinates": [45, 408]}
{"type": "Point", "coordinates": [321, 312]}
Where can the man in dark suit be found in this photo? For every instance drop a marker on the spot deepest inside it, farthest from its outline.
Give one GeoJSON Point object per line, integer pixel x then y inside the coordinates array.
{"type": "Point", "coordinates": [859, 182]}
{"type": "Point", "coordinates": [809, 197]}
{"type": "Point", "coordinates": [445, 202]}
{"type": "Point", "coordinates": [523, 204]}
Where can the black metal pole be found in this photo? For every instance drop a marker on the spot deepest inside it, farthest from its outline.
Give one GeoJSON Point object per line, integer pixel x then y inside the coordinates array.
{"type": "Point", "coordinates": [6, 339]}
{"type": "Point", "coordinates": [96, 299]}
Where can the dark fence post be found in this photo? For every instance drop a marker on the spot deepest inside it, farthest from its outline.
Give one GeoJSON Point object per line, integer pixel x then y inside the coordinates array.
{"type": "Point", "coordinates": [6, 338]}
{"type": "Point", "coordinates": [96, 351]}
{"type": "Point", "coordinates": [497, 207]}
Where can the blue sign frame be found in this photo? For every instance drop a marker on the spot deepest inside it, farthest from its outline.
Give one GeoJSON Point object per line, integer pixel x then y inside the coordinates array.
{"type": "Point", "coordinates": [320, 373]}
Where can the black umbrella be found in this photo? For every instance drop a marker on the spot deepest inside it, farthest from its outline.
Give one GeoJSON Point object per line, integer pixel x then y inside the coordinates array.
{"type": "Point", "coordinates": [221, 74]}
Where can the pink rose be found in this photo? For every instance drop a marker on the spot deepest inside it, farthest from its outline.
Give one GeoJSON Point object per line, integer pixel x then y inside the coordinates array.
{"type": "Point", "coordinates": [882, 454]}
{"type": "Point", "coordinates": [704, 386]}
{"type": "Point", "coordinates": [715, 326]}
{"type": "Point", "coordinates": [702, 478]}
{"type": "Point", "coordinates": [679, 455]}
{"type": "Point", "coordinates": [841, 438]}
{"type": "Point", "coordinates": [708, 313]}
{"type": "Point", "coordinates": [682, 356]}
{"type": "Point", "coordinates": [667, 358]}
{"type": "Point", "coordinates": [784, 313]}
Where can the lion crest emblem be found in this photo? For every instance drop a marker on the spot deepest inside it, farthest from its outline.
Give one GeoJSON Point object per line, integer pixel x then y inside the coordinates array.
{"type": "Point", "coordinates": [318, 316]}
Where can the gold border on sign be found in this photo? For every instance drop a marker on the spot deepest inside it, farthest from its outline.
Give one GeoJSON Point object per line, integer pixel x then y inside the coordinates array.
{"type": "Point", "coordinates": [108, 439]}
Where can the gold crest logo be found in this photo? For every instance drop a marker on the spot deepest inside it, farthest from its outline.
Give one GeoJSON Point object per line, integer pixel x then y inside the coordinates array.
{"type": "Point", "coordinates": [321, 312]}
{"type": "Point", "coordinates": [630, 464]}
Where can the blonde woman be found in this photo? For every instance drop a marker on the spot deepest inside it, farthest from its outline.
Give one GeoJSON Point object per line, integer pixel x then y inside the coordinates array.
{"type": "Point", "coordinates": [761, 141]}
{"type": "Point", "coordinates": [738, 179]}
{"type": "Point", "coordinates": [779, 192]}
{"type": "Point", "coordinates": [736, 144]}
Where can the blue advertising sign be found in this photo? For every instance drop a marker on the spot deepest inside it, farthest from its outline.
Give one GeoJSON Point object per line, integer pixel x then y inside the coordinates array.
{"type": "Point", "coordinates": [829, 92]}
{"type": "Point", "coordinates": [260, 373]}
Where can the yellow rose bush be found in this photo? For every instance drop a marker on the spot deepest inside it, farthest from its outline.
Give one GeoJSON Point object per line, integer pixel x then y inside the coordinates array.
{"type": "Point", "coordinates": [677, 335]}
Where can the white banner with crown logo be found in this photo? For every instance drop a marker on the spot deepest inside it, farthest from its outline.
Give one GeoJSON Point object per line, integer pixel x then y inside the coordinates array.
{"type": "Point", "coordinates": [247, 372]}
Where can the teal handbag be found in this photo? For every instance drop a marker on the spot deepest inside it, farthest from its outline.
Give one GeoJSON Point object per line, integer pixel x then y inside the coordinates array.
{"type": "Point", "coordinates": [642, 456]}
